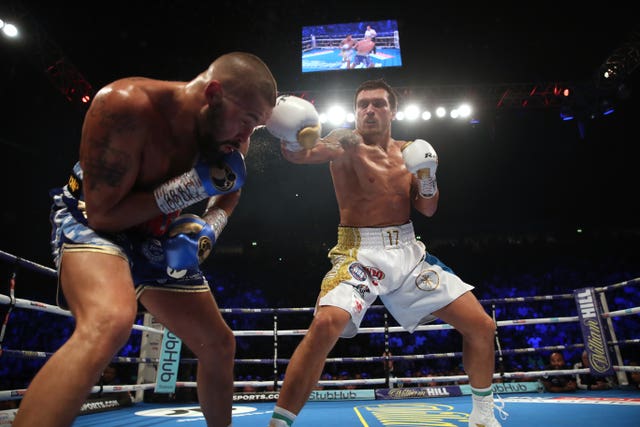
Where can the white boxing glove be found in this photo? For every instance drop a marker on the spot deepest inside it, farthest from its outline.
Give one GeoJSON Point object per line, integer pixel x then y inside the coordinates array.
{"type": "Point", "coordinates": [295, 121]}
{"type": "Point", "coordinates": [421, 159]}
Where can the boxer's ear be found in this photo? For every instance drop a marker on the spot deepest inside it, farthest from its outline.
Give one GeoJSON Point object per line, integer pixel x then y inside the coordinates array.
{"type": "Point", "coordinates": [213, 92]}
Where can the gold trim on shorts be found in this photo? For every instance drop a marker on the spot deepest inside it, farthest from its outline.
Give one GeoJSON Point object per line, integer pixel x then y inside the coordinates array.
{"type": "Point", "coordinates": [84, 247]}
{"type": "Point", "coordinates": [183, 289]}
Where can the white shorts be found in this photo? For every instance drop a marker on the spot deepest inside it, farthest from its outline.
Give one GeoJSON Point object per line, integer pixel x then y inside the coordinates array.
{"type": "Point", "coordinates": [387, 262]}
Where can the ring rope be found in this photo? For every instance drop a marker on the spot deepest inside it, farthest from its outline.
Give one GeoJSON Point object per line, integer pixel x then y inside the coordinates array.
{"type": "Point", "coordinates": [35, 305]}
{"type": "Point", "coordinates": [40, 306]}
{"type": "Point", "coordinates": [538, 298]}
{"type": "Point", "coordinates": [48, 308]}
{"type": "Point", "coordinates": [29, 354]}
{"type": "Point", "coordinates": [26, 263]}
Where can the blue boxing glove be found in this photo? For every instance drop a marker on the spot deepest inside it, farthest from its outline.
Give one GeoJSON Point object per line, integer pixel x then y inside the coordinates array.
{"type": "Point", "coordinates": [189, 242]}
{"type": "Point", "coordinates": [201, 182]}
{"type": "Point", "coordinates": [228, 176]}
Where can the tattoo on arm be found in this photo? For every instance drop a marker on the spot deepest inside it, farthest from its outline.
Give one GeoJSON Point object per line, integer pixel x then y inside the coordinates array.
{"type": "Point", "coordinates": [107, 164]}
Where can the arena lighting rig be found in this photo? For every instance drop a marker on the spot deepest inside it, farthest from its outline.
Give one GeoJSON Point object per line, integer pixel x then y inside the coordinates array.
{"type": "Point", "coordinates": [338, 115]}
{"type": "Point", "coordinates": [463, 104]}
{"type": "Point", "coordinates": [581, 100]}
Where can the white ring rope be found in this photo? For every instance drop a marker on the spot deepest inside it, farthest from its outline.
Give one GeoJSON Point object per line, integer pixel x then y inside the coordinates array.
{"type": "Point", "coordinates": [40, 306]}
{"type": "Point", "coordinates": [48, 308]}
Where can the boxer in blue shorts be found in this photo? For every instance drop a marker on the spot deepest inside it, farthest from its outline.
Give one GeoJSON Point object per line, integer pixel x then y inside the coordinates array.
{"type": "Point", "coordinates": [150, 148]}
{"type": "Point", "coordinates": [362, 57]}
{"type": "Point", "coordinates": [378, 181]}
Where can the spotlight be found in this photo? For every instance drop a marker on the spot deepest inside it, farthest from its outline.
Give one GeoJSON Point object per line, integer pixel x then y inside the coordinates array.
{"type": "Point", "coordinates": [9, 30]}
{"type": "Point", "coordinates": [412, 112]}
{"type": "Point", "coordinates": [337, 115]}
{"type": "Point", "coordinates": [464, 110]}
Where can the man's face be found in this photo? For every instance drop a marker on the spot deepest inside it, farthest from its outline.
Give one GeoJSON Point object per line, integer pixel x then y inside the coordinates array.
{"type": "Point", "coordinates": [557, 361]}
{"type": "Point", "coordinates": [231, 125]}
{"type": "Point", "coordinates": [373, 112]}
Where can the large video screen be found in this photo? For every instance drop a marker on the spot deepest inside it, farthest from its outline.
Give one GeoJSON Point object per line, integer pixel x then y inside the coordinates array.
{"type": "Point", "coordinates": [351, 46]}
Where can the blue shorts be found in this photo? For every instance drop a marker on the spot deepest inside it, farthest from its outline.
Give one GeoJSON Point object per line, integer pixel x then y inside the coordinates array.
{"type": "Point", "coordinates": [362, 59]}
{"type": "Point", "coordinates": [141, 249]}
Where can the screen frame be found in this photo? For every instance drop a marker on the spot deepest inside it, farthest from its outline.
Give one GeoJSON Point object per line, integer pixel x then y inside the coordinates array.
{"type": "Point", "coordinates": [321, 46]}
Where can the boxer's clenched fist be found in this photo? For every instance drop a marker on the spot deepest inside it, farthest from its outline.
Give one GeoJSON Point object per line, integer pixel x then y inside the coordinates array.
{"type": "Point", "coordinates": [295, 121]}
{"type": "Point", "coordinates": [189, 242]}
{"type": "Point", "coordinates": [421, 160]}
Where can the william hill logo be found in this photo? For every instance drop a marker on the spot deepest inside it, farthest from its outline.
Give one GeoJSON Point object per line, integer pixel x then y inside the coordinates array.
{"type": "Point", "coordinates": [593, 332]}
{"type": "Point", "coordinates": [419, 392]}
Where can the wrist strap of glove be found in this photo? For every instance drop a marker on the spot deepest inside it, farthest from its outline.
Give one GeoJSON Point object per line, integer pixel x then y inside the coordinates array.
{"type": "Point", "coordinates": [217, 219]}
{"type": "Point", "coordinates": [180, 192]}
{"type": "Point", "coordinates": [427, 185]}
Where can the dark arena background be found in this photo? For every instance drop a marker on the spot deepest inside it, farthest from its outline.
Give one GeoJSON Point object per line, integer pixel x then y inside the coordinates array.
{"type": "Point", "coordinates": [538, 209]}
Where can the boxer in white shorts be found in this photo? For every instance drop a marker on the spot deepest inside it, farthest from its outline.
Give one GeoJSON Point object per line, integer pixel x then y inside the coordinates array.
{"type": "Point", "coordinates": [387, 262]}
{"type": "Point", "coordinates": [379, 182]}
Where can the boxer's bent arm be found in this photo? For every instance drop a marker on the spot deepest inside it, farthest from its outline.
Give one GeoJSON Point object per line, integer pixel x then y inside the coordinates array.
{"type": "Point", "coordinates": [113, 137]}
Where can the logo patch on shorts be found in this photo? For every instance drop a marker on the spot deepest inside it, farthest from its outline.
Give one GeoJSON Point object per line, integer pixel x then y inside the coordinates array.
{"type": "Point", "coordinates": [375, 274]}
{"type": "Point", "coordinates": [428, 280]}
{"type": "Point", "coordinates": [152, 250]}
{"type": "Point", "coordinates": [176, 274]}
{"type": "Point", "coordinates": [358, 271]}
{"type": "Point", "coordinates": [362, 290]}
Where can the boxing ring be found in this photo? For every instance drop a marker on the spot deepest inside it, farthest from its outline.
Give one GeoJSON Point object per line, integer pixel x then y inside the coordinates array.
{"type": "Point", "coordinates": [366, 387]}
